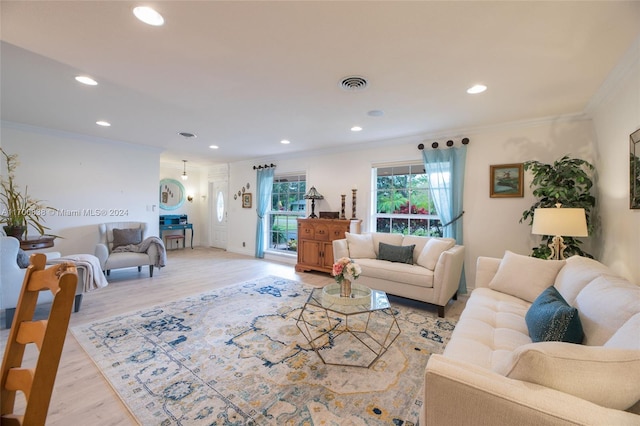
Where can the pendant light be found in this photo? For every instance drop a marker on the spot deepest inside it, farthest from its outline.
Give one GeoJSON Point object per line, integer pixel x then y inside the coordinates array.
{"type": "Point", "coordinates": [184, 173]}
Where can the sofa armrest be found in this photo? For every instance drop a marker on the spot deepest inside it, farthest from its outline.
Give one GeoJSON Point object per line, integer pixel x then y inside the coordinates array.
{"type": "Point", "coordinates": [459, 393]}
{"type": "Point", "coordinates": [446, 275]}
{"type": "Point", "coordinates": [486, 268]}
{"type": "Point", "coordinates": [340, 249]}
{"type": "Point", "coordinates": [102, 253]}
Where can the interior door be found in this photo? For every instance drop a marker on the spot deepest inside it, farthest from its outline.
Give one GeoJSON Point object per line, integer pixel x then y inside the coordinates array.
{"type": "Point", "coordinates": [218, 191]}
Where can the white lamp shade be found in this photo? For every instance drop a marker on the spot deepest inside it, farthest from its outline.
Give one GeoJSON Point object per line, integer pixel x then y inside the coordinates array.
{"type": "Point", "coordinates": [567, 222]}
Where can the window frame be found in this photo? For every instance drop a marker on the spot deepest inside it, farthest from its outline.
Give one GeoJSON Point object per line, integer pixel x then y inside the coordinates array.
{"type": "Point", "coordinates": [433, 221]}
{"type": "Point", "coordinates": [288, 246]}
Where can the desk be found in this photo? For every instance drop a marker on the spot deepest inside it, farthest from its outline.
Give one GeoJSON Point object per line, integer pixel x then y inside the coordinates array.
{"type": "Point", "coordinates": [174, 222]}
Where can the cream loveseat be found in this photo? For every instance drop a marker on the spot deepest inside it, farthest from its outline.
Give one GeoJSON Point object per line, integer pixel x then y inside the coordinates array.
{"type": "Point", "coordinates": [491, 373]}
{"type": "Point", "coordinates": [429, 271]}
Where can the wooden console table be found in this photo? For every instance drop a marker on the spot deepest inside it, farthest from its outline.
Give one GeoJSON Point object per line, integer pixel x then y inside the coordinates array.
{"type": "Point", "coordinates": [315, 242]}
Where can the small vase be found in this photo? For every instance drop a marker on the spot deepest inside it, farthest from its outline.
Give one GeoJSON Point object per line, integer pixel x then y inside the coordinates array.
{"type": "Point", "coordinates": [345, 288]}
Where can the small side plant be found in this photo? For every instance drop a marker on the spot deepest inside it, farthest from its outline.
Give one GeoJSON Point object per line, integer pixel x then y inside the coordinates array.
{"type": "Point", "coordinates": [567, 181]}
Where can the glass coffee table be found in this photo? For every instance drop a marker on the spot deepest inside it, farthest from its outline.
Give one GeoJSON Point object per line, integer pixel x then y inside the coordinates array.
{"type": "Point", "coordinates": [353, 331]}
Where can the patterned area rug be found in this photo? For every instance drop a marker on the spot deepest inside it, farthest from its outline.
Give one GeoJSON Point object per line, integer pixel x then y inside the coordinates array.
{"type": "Point", "coordinates": [234, 356]}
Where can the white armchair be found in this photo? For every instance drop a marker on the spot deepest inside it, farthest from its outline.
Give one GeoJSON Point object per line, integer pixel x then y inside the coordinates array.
{"type": "Point", "coordinates": [116, 260]}
{"type": "Point", "coordinates": [12, 277]}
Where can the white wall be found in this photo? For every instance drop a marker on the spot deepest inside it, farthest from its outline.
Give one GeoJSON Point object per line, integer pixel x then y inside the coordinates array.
{"type": "Point", "coordinates": [616, 114]}
{"type": "Point", "coordinates": [491, 225]}
{"type": "Point", "coordinates": [76, 174]}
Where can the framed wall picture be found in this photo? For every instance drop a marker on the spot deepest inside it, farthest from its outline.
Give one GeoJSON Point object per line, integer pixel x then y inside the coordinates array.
{"type": "Point", "coordinates": [246, 200]}
{"type": "Point", "coordinates": [506, 180]}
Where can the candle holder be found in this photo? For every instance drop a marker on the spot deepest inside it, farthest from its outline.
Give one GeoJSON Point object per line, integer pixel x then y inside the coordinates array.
{"type": "Point", "coordinates": [353, 203]}
{"type": "Point", "coordinates": [342, 215]}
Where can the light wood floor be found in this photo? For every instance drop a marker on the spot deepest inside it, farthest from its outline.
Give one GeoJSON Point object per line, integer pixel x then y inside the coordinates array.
{"type": "Point", "coordinates": [81, 395]}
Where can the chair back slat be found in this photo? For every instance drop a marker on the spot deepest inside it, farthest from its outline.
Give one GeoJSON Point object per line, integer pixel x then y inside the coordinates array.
{"type": "Point", "coordinates": [48, 336]}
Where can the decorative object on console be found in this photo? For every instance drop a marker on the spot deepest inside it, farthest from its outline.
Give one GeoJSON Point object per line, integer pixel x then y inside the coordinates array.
{"type": "Point", "coordinates": [353, 203]}
{"type": "Point", "coordinates": [344, 271]}
{"type": "Point", "coordinates": [313, 195]}
{"type": "Point", "coordinates": [329, 215]}
{"type": "Point", "coordinates": [342, 208]}
{"type": "Point", "coordinates": [506, 180]}
{"type": "Point", "coordinates": [567, 181]}
{"type": "Point", "coordinates": [634, 170]}
{"type": "Point", "coordinates": [17, 209]}
{"type": "Point", "coordinates": [559, 221]}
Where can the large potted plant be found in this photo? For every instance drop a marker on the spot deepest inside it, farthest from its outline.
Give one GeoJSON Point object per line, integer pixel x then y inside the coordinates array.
{"type": "Point", "coordinates": [18, 210]}
{"type": "Point", "coordinates": [567, 181]}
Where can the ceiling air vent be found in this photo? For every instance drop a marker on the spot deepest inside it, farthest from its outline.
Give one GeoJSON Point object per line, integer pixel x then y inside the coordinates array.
{"type": "Point", "coordinates": [353, 83]}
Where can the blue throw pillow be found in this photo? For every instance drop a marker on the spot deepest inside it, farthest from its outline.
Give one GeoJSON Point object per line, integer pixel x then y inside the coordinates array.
{"type": "Point", "coordinates": [23, 259]}
{"type": "Point", "coordinates": [551, 319]}
{"type": "Point", "coordinates": [402, 254]}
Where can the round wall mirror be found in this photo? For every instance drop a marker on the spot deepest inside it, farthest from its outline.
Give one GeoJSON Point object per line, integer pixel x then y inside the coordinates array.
{"type": "Point", "coordinates": [171, 194]}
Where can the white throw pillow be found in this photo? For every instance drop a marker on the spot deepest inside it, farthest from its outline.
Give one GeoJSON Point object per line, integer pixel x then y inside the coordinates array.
{"type": "Point", "coordinates": [432, 251]}
{"type": "Point", "coordinates": [360, 246]}
{"type": "Point", "coordinates": [525, 277]}
{"type": "Point", "coordinates": [604, 376]}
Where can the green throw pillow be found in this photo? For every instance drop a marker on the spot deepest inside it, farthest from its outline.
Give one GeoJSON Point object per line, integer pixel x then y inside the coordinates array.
{"type": "Point", "coordinates": [550, 318]}
{"type": "Point", "coordinates": [402, 254]}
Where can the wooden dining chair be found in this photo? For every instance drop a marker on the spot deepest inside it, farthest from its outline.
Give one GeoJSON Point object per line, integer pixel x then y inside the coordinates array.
{"type": "Point", "coordinates": [48, 335]}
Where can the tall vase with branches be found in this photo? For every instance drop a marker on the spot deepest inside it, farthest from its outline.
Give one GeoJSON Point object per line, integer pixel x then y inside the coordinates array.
{"type": "Point", "coordinates": [17, 209]}
{"type": "Point", "coordinates": [568, 181]}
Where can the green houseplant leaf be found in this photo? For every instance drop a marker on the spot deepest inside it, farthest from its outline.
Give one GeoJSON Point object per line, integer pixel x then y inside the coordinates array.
{"type": "Point", "coordinates": [567, 181]}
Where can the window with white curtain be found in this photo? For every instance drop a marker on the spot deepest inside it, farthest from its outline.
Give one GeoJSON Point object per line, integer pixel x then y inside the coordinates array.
{"type": "Point", "coordinates": [287, 205]}
{"type": "Point", "coordinates": [402, 200]}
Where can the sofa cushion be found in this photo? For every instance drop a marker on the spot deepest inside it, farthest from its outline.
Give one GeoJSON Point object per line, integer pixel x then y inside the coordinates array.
{"type": "Point", "coordinates": [607, 377]}
{"type": "Point", "coordinates": [396, 272]}
{"type": "Point", "coordinates": [387, 238]}
{"type": "Point", "coordinates": [490, 328]}
{"type": "Point", "coordinates": [418, 242]}
{"type": "Point", "coordinates": [604, 305]}
{"type": "Point", "coordinates": [360, 246]}
{"type": "Point", "coordinates": [402, 254]}
{"type": "Point", "coordinates": [627, 336]}
{"type": "Point", "coordinates": [525, 277]}
{"type": "Point", "coordinates": [124, 237]}
{"type": "Point", "coordinates": [432, 250]}
{"type": "Point", "coordinates": [576, 274]}
{"type": "Point", "coordinates": [550, 318]}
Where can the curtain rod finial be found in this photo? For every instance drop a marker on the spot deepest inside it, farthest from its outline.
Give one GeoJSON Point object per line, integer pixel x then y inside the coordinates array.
{"type": "Point", "coordinates": [465, 141]}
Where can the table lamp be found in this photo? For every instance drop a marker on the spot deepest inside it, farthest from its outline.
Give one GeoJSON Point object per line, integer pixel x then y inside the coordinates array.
{"type": "Point", "coordinates": [558, 221]}
{"type": "Point", "coordinates": [313, 195]}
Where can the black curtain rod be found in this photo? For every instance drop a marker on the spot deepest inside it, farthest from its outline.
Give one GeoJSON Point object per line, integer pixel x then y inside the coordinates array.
{"type": "Point", "coordinates": [434, 145]}
{"type": "Point", "coordinates": [266, 166]}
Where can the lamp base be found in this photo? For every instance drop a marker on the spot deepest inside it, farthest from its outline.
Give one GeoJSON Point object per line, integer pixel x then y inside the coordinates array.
{"type": "Point", "coordinates": [557, 247]}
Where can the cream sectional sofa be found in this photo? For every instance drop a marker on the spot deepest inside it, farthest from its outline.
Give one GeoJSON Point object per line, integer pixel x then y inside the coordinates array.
{"type": "Point", "coordinates": [492, 373]}
{"type": "Point", "coordinates": [431, 273]}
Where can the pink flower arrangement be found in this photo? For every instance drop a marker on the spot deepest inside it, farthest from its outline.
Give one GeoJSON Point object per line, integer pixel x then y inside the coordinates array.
{"type": "Point", "coordinates": [346, 269]}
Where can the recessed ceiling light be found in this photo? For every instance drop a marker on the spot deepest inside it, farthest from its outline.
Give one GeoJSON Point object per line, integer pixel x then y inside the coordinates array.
{"type": "Point", "coordinates": [285, 142]}
{"type": "Point", "coordinates": [478, 88]}
{"type": "Point", "coordinates": [148, 16]}
{"type": "Point", "coordinates": [356, 128]}
{"type": "Point", "coordinates": [86, 80]}
{"type": "Point", "coordinates": [103, 123]}
{"type": "Point", "coordinates": [213, 146]}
